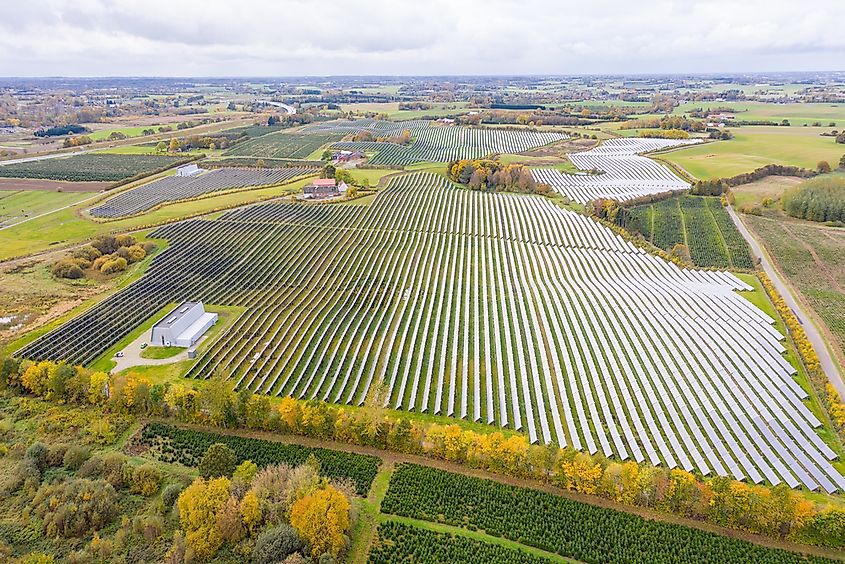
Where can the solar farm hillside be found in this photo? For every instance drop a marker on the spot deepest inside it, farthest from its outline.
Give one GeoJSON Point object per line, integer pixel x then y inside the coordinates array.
{"type": "Point", "coordinates": [622, 173]}
{"type": "Point", "coordinates": [470, 319]}
{"type": "Point", "coordinates": [489, 307]}
{"type": "Point", "coordinates": [434, 142]}
{"type": "Point", "coordinates": [175, 188]}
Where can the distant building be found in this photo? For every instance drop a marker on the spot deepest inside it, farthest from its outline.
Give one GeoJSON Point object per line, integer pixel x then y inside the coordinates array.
{"type": "Point", "coordinates": [323, 188]}
{"type": "Point", "coordinates": [188, 170]}
{"type": "Point", "coordinates": [183, 326]}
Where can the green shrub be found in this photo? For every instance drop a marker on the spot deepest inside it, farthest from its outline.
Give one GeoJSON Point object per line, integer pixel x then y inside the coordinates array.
{"type": "Point", "coordinates": [169, 496]}
{"type": "Point", "coordinates": [75, 457]}
{"type": "Point", "coordinates": [218, 460]}
{"type": "Point", "coordinates": [65, 268]}
{"type": "Point", "coordinates": [75, 508]}
{"type": "Point", "coordinates": [37, 452]}
{"type": "Point", "coordinates": [275, 544]}
{"type": "Point", "coordinates": [146, 480]}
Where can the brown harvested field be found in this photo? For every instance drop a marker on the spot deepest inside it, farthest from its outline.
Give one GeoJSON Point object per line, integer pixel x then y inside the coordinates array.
{"type": "Point", "coordinates": [51, 185]}
{"type": "Point", "coordinates": [812, 258]}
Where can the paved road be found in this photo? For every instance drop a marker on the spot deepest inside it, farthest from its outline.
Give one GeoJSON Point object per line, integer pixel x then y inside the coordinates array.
{"type": "Point", "coordinates": [44, 157]}
{"type": "Point", "coordinates": [825, 358]}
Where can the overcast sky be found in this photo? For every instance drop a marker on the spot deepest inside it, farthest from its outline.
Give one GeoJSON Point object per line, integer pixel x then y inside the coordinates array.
{"type": "Point", "coordinates": [320, 37]}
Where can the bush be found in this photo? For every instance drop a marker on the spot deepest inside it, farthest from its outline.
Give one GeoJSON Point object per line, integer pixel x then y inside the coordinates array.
{"type": "Point", "coordinates": [56, 454]}
{"type": "Point", "coordinates": [113, 468]}
{"type": "Point", "coordinates": [114, 265]}
{"type": "Point", "coordinates": [146, 480]}
{"type": "Point", "coordinates": [37, 452]}
{"type": "Point", "coordinates": [276, 544]}
{"type": "Point", "coordinates": [169, 495]}
{"type": "Point", "coordinates": [76, 507]}
{"type": "Point", "coordinates": [65, 268]}
{"type": "Point", "coordinates": [218, 460]}
{"type": "Point", "coordinates": [75, 457]}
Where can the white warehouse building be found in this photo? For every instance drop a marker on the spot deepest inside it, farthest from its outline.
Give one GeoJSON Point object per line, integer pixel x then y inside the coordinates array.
{"type": "Point", "coordinates": [183, 326]}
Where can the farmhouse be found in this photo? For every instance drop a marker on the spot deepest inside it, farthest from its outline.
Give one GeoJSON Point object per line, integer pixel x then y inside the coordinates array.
{"type": "Point", "coordinates": [324, 188]}
{"type": "Point", "coordinates": [188, 170]}
{"type": "Point", "coordinates": [183, 326]}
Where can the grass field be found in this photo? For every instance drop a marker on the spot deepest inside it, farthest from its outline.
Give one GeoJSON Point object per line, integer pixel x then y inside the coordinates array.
{"type": "Point", "coordinates": [393, 112]}
{"type": "Point", "coordinates": [20, 204]}
{"type": "Point", "coordinates": [157, 353]}
{"type": "Point", "coordinates": [67, 226]}
{"type": "Point", "coordinates": [798, 114]}
{"type": "Point", "coordinates": [812, 258]}
{"type": "Point", "coordinates": [131, 131]}
{"type": "Point", "coordinates": [753, 147]}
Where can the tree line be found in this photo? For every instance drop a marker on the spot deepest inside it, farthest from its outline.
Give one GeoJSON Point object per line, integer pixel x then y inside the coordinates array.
{"type": "Point", "coordinates": [718, 186]}
{"type": "Point", "coordinates": [511, 454]}
{"type": "Point", "coordinates": [820, 199]}
{"type": "Point", "coordinates": [495, 176]}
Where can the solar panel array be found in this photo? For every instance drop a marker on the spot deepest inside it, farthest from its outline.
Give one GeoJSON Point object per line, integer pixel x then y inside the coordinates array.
{"type": "Point", "coordinates": [176, 188]}
{"type": "Point", "coordinates": [435, 143]}
{"type": "Point", "coordinates": [497, 308]}
{"type": "Point", "coordinates": [625, 174]}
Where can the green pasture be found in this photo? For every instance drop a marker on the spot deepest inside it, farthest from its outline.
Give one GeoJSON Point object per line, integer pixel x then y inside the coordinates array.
{"type": "Point", "coordinates": [17, 205]}
{"type": "Point", "coordinates": [798, 114]}
{"type": "Point", "coordinates": [68, 226]}
{"type": "Point", "coordinates": [753, 147]}
{"type": "Point", "coordinates": [132, 131]}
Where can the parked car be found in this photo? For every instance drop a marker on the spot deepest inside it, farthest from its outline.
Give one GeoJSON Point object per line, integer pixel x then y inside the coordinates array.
{"type": "Point", "coordinates": [119, 354]}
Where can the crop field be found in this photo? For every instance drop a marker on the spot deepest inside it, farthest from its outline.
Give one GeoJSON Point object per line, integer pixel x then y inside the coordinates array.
{"type": "Point", "coordinates": [559, 525]}
{"type": "Point", "coordinates": [812, 258]}
{"type": "Point", "coordinates": [88, 167]}
{"type": "Point", "coordinates": [753, 147]}
{"type": "Point", "coordinates": [16, 205]}
{"type": "Point", "coordinates": [399, 543]}
{"type": "Point", "coordinates": [281, 145]}
{"type": "Point", "coordinates": [497, 308]}
{"type": "Point", "coordinates": [187, 446]}
{"type": "Point", "coordinates": [436, 143]}
{"type": "Point", "coordinates": [625, 174]}
{"type": "Point", "coordinates": [700, 223]}
{"type": "Point", "coordinates": [175, 188]}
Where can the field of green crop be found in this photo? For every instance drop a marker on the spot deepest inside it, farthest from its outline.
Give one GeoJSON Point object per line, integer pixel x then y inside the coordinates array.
{"type": "Point", "coordinates": [16, 205]}
{"type": "Point", "coordinates": [88, 167]}
{"type": "Point", "coordinates": [753, 147]}
{"type": "Point", "coordinates": [283, 145]}
{"type": "Point", "coordinates": [700, 223]}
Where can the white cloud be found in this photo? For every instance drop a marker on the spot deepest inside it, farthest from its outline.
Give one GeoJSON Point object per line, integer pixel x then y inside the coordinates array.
{"type": "Point", "coordinates": [254, 37]}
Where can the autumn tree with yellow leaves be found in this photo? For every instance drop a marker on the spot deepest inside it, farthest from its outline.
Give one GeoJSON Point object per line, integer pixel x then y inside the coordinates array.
{"type": "Point", "coordinates": [322, 520]}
